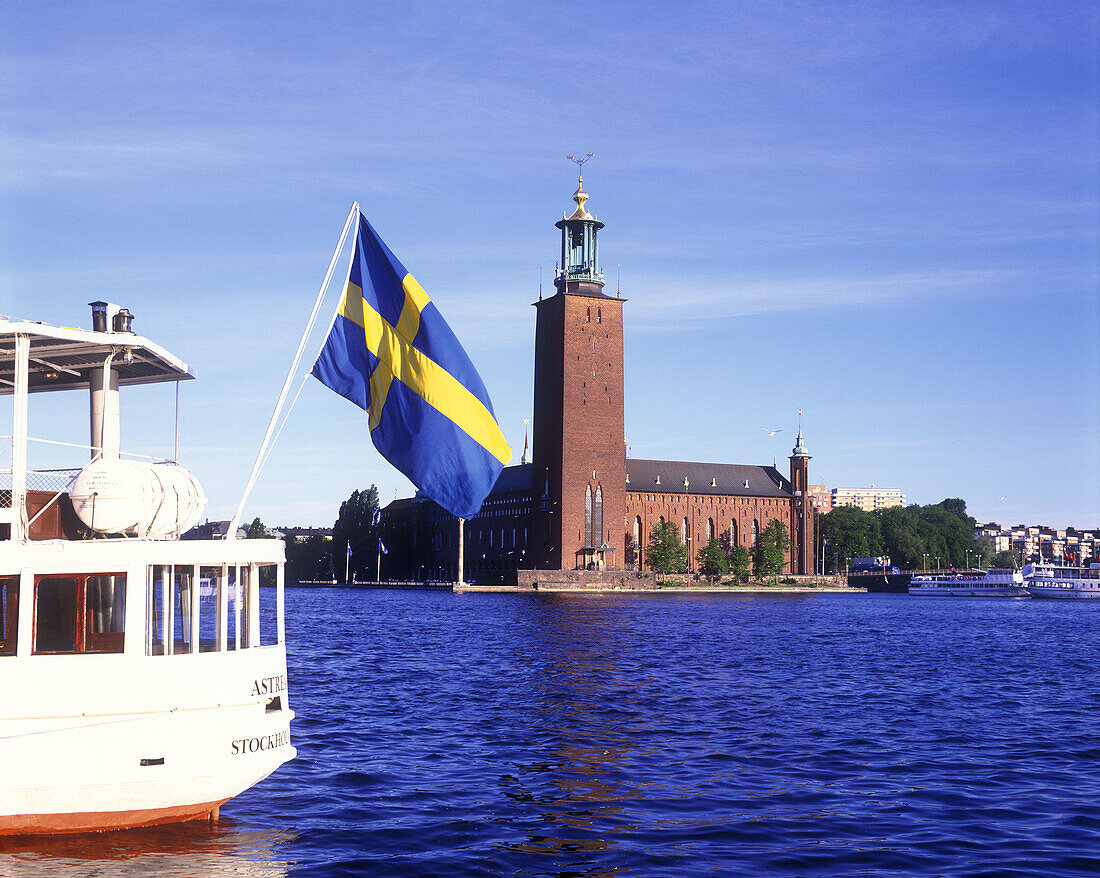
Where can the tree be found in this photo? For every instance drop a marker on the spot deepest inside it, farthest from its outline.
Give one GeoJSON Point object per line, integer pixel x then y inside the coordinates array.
{"type": "Point", "coordinates": [357, 527]}
{"type": "Point", "coordinates": [308, 560]}
{"type": "Point", "coordinates": [851, 532]}
{"type": "Point", "coordinates": [769, 553]}
{"type": "Point", "coordinates": [666, 553]}
{"type": "Point", "coordinates": [740, 561]}
{"type": "Point", "coordinates": [712, 558]}
{"type": "Point", "coordinates": [256, 530]}
{"type": "Point", "coordinates": [918, 535]}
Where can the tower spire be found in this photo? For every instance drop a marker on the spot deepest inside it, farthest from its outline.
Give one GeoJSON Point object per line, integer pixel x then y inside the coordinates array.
{"type": "Point", "coordinates": [799, 449]}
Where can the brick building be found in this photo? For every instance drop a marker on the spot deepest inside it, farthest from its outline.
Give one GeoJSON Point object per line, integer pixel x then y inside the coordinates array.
{"type": "Point", "coordinates": [580, 502]}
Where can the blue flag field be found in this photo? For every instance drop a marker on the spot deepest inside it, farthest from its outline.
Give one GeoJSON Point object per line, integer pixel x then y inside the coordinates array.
{"type": "Point", "coordinates": [391, 353]}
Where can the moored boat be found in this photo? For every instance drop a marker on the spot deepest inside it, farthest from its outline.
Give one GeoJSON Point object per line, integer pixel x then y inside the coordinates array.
{"type": "Point", "coordinates": [1063, 582]}
{"type": "Point", "coordinates": [994, 582]}
{"type": "Point", "coordinates": [143, 675]}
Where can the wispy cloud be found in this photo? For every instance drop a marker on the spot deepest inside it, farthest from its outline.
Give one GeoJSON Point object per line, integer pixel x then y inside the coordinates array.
{"type": "Point", "coordinates": [666, 304]}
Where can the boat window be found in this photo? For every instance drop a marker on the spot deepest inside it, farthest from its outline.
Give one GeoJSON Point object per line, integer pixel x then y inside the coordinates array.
{"type": "Point", "coordinates": [182, 580]}
{"type": "Point", "coordinates": [232, 608]}
{"type": "Point", "coordinates": [243, 616]}
{"type": "Point", "coordinates": [210, 579]}
{"type": "Point", "coordinates": [269, 615]}
{"type": "Point", "coordinates": [55, 613]}
{"type": "Point", "coordinates": [157, 594]}
{"type": "Point", "coordinates": [84, 613]}
{"type": "Point", "coordinates": [9, 613]}
{"type": "Point", "coordinates": [106, 602]}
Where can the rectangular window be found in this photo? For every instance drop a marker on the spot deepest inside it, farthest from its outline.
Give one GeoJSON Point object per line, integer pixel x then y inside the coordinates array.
{"type": "Point", "coordinates": [244, 613]}
{"type": "Point", "coordinates": [156, 602]}
{"type": "Point", "coordinates": [210, 581]}
{"type": "Point", "coordinates": [80, 613]}
{"type": "Point", "coordinates": [232, 609]}
{"type": "Point", "coordinates": [182, 581]}
{"type": "Point", "coordinates": [56, 605]}
{"type": "Point", "coordinates": [269, 610]}
{"type": "Point", "coordinates": [106, 600]}
{"type": "Point", "coordinates": [9, 613]}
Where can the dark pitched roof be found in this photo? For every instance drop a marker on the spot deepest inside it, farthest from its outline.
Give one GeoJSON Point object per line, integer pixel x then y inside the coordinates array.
{"type": "Point", "coordinates": [706, 478]}
{"type": "Point", "coordinates": [513, 478]}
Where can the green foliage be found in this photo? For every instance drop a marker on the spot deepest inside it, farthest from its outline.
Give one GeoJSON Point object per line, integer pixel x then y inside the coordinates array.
{"type": "Point", "coordinates": [1002, 559]}
{"type": "Point", "coordinates": [851, 532]}
{"type": "Point", "coordinates": [308, 560]}
{"type": "Point", "coordinates": [357, 526]}
{"type": "Point", "coordinates": [256, 530]}
{"type": "Point", "coordinates": [666, 553]}
{"type": "Point", "coordinates": [712, 558]}
{"type": "Point", "coordinates": [910, 536]}
{"type": "Point", "coordinates": [740, 562]}
{"type": "Point", "coordinates": [768, 555]}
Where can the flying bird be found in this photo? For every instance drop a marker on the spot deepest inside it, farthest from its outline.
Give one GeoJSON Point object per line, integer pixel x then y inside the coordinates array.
{"type": "Point", "coordinates": [770, 432]}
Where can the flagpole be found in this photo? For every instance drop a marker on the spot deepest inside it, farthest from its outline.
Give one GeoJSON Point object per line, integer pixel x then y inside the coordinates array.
{"type": "Point", "coordinates": [378, 565]}
{"type": "Point", "coordinates": [461, 521]}
{"type": "Point", "coordinates": [236, 520]}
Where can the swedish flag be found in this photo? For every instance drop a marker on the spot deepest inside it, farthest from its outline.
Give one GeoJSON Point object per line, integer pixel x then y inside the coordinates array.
{"type": "Point", "coordinates": [392, 354]}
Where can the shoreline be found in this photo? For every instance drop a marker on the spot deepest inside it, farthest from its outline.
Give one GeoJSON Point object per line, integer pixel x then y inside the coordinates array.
{"type": "Point", "coordinates": [551, 588]}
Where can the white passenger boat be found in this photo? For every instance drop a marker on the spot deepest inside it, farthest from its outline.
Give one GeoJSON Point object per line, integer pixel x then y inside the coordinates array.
{"type": "Point", "coordinates": [994, 582]}
{"type": "Point", "coordinates": [1048, 580]}
{"type": "Point", "coordinates": [143, 677]}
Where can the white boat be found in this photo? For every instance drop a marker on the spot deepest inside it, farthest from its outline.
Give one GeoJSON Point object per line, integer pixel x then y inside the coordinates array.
{"type": "Point", "coordinates": [143, 677]}
{"type": "Point", "coordinates": [1049, 580]}
{"type": "Point", "coordinates": [994, 582]}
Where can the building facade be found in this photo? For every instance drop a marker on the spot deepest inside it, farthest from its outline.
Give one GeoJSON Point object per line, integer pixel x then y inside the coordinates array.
{"type": "Point", "coordinates": [868, 499]}
{"type": "Point", "coordinates": [581, 503]}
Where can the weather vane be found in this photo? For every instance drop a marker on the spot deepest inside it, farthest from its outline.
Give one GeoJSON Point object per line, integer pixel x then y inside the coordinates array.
{"type": "Point", "coordinates": [580, 162]}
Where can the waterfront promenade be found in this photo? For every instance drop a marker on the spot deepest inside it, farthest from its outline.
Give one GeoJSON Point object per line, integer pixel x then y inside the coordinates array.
{"type": "Point", "coordinates": [620, 582]}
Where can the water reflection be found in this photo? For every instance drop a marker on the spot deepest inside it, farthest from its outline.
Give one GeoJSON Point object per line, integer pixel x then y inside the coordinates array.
{"type": "Point", "coordinates": [185, 850]}
{"type": "Point", "coordinates": [587, 703]}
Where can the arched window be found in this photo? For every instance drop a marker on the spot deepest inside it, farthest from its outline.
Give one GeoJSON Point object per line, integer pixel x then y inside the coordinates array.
{"type": "Point", "coordinates": [733, 533]}
{"type": "Point", "coordinates": [710, 529]}
{"type": "Point", "coordinates": [638, 531]}
{"type": "Point", "coordinates": [597, 518]}
{"type": "Point", "coordinates": [684, 532]}
{"type": "Point", "coordinates": [588, 515]}
{"type": "Point", "coordinates": [587, 315]}
{"type": "Point", "coordinates": [754, 533]}
{"type": "Point", "coordinates": [599, 315]}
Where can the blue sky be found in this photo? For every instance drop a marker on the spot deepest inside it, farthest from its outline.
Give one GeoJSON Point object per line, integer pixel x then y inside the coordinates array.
{"type": "Point", "coordinates": [886, 215]}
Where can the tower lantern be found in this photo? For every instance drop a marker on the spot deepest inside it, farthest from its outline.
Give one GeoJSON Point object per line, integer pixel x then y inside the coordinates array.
{"type": "Point", "coordinates": [579, 263]}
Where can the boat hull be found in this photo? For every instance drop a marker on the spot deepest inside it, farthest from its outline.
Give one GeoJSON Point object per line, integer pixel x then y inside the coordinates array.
{"type": "Point", "coordinates": [1063, 593]}
{"type": "Point", "coordinates": [104, 821]}
{"type": "Point", "coordinates": [1017, 591]}
{"type": "Point", "coordinates": [159, 740]}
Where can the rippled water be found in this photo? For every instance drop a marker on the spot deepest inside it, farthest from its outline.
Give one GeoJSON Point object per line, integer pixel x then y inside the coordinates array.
{"type": "Point", "coordinates": [444, 734]}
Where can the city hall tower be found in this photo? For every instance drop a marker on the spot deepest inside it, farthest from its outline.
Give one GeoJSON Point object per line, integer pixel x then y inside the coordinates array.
{"type": "Point", "coordinates": [578, 479]}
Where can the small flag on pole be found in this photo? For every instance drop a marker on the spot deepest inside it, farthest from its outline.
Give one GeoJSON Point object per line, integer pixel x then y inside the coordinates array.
{"type": "Point", "coordinates": [391, 353]}
{"type": "Point", "coordinates": [382, 548]}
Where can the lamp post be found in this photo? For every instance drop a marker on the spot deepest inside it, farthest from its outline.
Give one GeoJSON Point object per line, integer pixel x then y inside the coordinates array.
{"type": "Point", "coordinates": [924, 563]}
{"type": "Point", "coordinates": [967, 559]}
{"type": "Point", "coordinates": [937, 563]}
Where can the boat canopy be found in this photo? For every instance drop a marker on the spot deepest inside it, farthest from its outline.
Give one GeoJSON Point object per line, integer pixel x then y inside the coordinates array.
{"type": "Point", "coordinates": [62, 358]}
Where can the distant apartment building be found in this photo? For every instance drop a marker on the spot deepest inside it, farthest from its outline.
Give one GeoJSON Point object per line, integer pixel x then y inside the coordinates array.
{"type": "Point", "coordinates": [1032, 542]}
{"type": "Point", "coordinates": [868, 499]}
{"type": "Point", "coordinates": [821, 498]}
